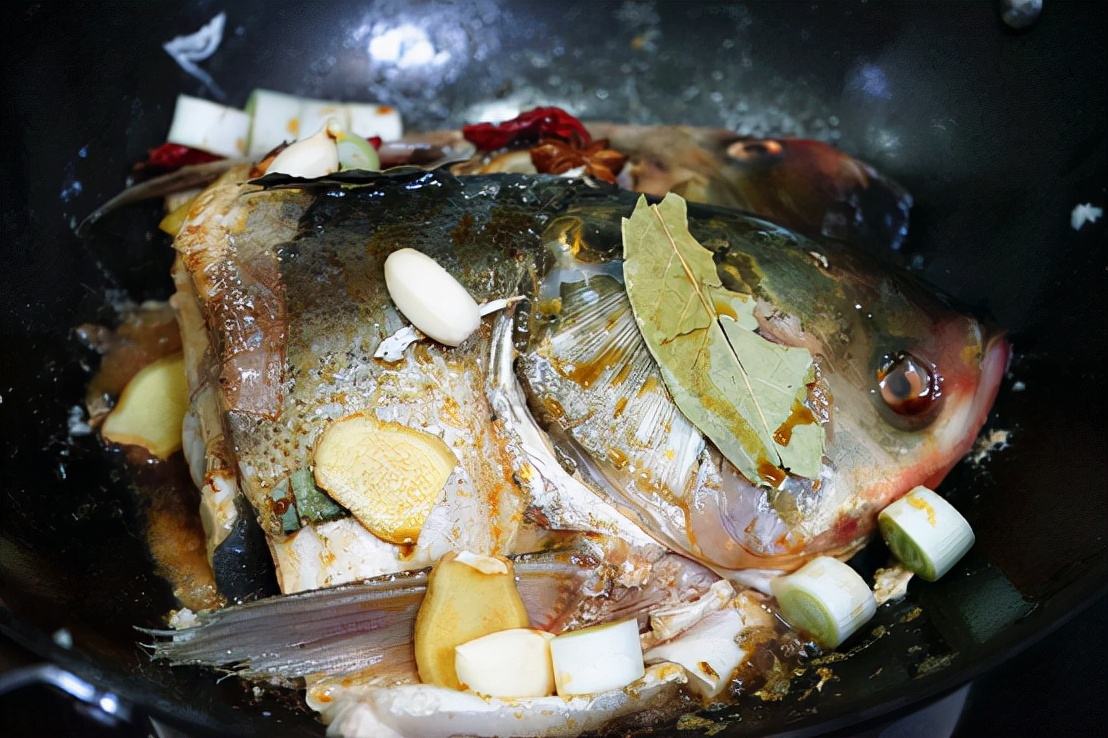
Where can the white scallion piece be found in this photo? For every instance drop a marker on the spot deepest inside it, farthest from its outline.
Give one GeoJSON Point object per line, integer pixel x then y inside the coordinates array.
{"type": "Point", "coordinates": [274, 120]}
{"type": "Point", "coordinates": [925, 532]}
{"type": "Point", "coordinates": [277, 117]}
{"type": "Point", "coordinates": [708, 651]}
{"type": "Point", "coordinates": [597, 659]}
{"type": "Point", "coordinates": [356, 152]}
{"type": "Point", "coordinates": [371, 119]}
{"type": "Point", "coordinates": [430, 297]}
{"type": "Point", "coordinates": [208, 126]}
{"type": "Point", "coordinates": [825, 599]}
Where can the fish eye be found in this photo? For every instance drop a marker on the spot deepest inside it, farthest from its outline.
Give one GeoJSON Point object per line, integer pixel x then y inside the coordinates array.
{"type": "Point", "coordinates": [754, 151]}
{"type": "Point", "coordinates": [909, 385]}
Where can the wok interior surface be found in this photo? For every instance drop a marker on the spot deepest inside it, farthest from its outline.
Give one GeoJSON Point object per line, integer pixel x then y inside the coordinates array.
{"type": "Point", "coordinates": [997, 134]}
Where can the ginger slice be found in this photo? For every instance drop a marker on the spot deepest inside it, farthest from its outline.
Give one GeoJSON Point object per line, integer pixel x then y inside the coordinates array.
{"type": "Point", "coordinates": [151, 408]}
{"type": "Point", "coordinates": [388, 475]}
{"type": "Point", "coordinates": [462, 603]}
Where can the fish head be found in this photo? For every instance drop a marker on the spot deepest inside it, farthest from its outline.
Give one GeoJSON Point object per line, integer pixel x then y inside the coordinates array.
{"type": "Point", "coordinates": [929, 399]}
{"type": "Point", "coordinates": [901, 382]}
{"type": "Point", "coordinates": [904, 382]}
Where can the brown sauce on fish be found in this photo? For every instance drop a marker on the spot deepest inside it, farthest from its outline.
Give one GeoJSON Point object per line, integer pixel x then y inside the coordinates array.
{"type": "Point", "coordinates": [799, 415]}
{"type": "Point", "coordinates": [771, 473]}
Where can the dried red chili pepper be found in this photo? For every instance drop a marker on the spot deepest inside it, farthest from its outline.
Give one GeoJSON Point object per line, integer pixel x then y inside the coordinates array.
{"type": "Point", "coordinates": [174, 156]}
{"type": "Point", "coordinates": [528, 128]}
{"type": "Point", "coordinates": [556, 157]}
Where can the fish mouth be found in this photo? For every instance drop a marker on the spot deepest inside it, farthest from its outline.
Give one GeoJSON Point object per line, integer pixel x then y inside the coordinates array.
{"type": "Point", "coordinates": [998, 352]}
{"type": "Point", "coordinates": [962, 433]}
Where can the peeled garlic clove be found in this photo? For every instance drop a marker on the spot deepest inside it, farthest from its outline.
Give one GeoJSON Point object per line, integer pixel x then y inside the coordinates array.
{"type": "Point", "coordinates": [428, 296]}
{"type": "Point", "coordinates": [315, 156]}
{"type": "Point", "coordinates": [597, 659]}
{"type": "Point", "coordinates": [508, 663]}
{"type": "Point", "coordinates": [316, 114]}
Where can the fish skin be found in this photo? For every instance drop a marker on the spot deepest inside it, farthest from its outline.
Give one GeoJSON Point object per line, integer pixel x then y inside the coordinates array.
{"type": "Point", "coordinates": [299, 269]}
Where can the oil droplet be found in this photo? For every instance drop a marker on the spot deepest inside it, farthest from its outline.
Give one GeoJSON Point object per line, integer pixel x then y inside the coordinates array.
{"type": "Point", "coordinates": [771, 473]}
{"type": "Point", "coordinates": [725, 309]}
{"type": "Point", "coordinates": [800, 415]}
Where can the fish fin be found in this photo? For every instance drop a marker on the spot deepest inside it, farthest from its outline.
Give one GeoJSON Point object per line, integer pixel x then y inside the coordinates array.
{"type": "Point", "coordinates": [366, 628]}
{"type": "Point", "coordinates": [187, 177]}
{"type": "Point", "coordinates": [593, 381]}
{"type": "Point", "coordinates": [335, 631]}
{"type": "Point", "coordinates": [598, 579]}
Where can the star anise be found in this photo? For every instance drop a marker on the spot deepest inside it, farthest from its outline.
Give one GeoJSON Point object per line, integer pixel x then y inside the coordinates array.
{"type": "Point", "coordinates": [552, 156]}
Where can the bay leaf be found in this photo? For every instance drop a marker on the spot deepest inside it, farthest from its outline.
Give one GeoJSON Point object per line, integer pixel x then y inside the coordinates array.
{"type": "Point", "coordinates": [736, 387]}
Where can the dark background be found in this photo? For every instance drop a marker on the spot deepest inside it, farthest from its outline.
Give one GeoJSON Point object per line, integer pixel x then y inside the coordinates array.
{"type": "Point", "coordinates": [997, 133]}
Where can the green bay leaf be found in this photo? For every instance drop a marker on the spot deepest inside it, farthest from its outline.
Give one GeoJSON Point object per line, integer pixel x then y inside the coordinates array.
{"type": "Point", "coordinates": [736, 387]}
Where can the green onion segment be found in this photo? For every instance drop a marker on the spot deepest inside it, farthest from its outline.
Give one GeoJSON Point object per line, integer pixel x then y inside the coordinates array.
{"type": "Point", "coordinates": [925, 532]}
{"type": "Point", "coordinates": [825, 599]}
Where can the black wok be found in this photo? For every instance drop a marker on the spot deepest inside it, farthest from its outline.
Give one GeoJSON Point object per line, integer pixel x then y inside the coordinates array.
{"type": "Point", "coordinates": [997, 133]}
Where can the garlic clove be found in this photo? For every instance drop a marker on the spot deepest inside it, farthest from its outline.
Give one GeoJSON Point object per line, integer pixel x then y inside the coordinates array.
{"type": "Point", "coordinates": [315, 156]}
{"type": "Point", "coordinates": [428, 296]}
{"type": "Point", "coordinates": [508, 663]}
